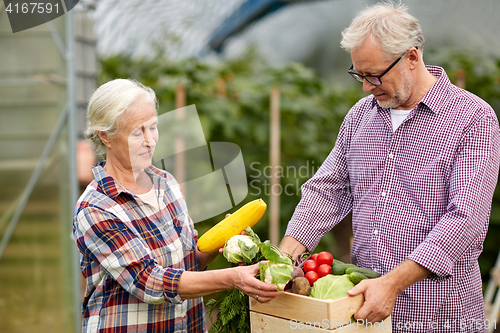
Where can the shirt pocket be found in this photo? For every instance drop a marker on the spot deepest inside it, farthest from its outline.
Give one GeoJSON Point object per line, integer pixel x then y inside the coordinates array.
{"type": "Point", "coordinates": [181, 222]}
{"type": "Point", "coordinates": [184, 229]}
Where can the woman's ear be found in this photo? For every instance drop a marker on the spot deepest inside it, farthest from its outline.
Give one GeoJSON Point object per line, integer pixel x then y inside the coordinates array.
{"type": "Point", "coordinates": [104, 138]}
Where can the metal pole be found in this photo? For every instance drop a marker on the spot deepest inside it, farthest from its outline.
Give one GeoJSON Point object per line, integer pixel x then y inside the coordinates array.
{"type": "Point", "coordinates": [33, 180]}
{"type": "Point", "coordinates": [72, 137]}
{"type": "Point", "coordinates": [57, 38]}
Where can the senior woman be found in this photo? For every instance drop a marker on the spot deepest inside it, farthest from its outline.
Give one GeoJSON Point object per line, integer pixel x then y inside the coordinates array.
{"type": "Point", "coordinates": [137, 242]}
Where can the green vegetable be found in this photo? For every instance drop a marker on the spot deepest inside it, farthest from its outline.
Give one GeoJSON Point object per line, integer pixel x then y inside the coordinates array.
{"type": "Point", "coordinates": [278, 270]}
{"type": "Point", "coordinates": [331, 287]}
{"type": "Point", "coordinates": [340, 269]}
{"type": "Point", "coordinates": [356, 277]}
{"type": "Point", "coordinates": [276, 273]}
{"type": "Point", "coordinates": [254, 236]}
{"type": "Point", "coordinates": [273, 253]}
{"type": "Point", "coordinates": [366, 272]}
{"type": "Point", "coordinates": [233, 313]}
{"type": "Point", "coordinates": [240, 248]}
{"type": "Point", "coordinates": [337, 262]}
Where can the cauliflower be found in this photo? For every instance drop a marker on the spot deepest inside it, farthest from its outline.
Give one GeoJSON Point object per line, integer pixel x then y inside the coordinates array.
{"type": "Point", "coordinates": [276, 273]}
{"type": "Point", "coordinates": [240, 248]}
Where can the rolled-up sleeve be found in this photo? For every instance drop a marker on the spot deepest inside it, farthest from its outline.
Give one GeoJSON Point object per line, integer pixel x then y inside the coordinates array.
{"type": "Point", "coordinates": [120, 253]}
{"type": "Point", "coordinates": [472, 183]}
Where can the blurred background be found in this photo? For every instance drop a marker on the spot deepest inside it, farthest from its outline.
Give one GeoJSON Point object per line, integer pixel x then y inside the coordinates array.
{"type": "Point", "coordinates": [233, 60]}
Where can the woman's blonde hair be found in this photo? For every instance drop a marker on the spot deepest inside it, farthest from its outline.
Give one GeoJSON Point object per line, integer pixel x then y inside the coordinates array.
{"type": "Point", "coordinates": [109, 102]}
{"type": "Point", "coordinates": [389, 25]}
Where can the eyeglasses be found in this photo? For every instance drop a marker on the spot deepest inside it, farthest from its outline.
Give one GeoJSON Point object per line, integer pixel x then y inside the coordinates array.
{"type": "Point", "coordinates": [374, 79]}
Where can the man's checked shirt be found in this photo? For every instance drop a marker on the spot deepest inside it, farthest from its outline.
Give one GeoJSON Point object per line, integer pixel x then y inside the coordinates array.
{"type": "Point", "coordinates": [132, 258]}
{"type": "Point", "coordinates": [422, 192]}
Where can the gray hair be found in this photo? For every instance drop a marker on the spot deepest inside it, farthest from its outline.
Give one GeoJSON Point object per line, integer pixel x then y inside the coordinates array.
{"type": "Point", "coordinates": [108, 103]}
{"type": "Point", "coordinates": [389, 25]}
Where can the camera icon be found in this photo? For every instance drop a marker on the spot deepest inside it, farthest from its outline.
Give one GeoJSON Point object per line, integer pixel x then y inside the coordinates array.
{"type": "Point", "coordinates": [212, 175]}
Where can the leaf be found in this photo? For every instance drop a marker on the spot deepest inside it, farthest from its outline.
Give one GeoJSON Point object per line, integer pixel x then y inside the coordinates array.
{"type": "Point", "coordinates": [247, 252]}
{"type": "Point", "coordinates": [276, 273]}
{"type": "Point", "coordinates": [232, 316]}
{"type": "Point", "coordinates": [272, 253]}
{"type": "Point", "coordinates": [331, 287]}
{"type": "Point", "coordinates": [254, 236]}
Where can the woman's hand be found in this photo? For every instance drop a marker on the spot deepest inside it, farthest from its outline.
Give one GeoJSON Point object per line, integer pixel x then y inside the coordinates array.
{"type": "Point", "coordinates": [245, 281]}
{"type": "Point", "coordinates": [205, 258]}
{"type": "Point", "coordinates": [196, 284]}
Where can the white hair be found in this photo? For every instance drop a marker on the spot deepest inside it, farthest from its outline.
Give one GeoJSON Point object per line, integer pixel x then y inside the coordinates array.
{"type": "Point", "coordinates": [389, 25]}
{"type": "Point", "coordinates": [109, 102]}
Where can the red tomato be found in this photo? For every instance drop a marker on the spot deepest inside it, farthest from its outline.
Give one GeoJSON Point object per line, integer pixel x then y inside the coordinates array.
{"type": "Point", "coordinates": [310, 265]}
{"type": "Point", "coordinates": [324, 270]}
{"type": "Point", "coordinates": [324, 258]}
{"type": "Point", "coordinates": [311, 276]}
{"type": "Point", "coordinates": [314, 257]}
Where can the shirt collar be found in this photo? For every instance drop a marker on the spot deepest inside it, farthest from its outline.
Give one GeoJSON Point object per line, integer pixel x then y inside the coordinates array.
{"type": "Point", "coordinates": [433, 98]}
{"type": "Point", "coordinates": [113, 189]}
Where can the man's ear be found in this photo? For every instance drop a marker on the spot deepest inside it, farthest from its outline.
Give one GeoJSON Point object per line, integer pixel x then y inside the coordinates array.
{"type": "Point", "coordinates": [414, 58]}
{"type": "Point", "coordinates": [104, 138]}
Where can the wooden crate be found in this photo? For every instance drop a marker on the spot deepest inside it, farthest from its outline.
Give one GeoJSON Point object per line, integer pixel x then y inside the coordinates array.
{"type": "Point", "coordinates": [291, 312]}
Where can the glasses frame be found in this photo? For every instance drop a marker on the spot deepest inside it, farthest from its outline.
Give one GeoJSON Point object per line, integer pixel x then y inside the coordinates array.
{"type": "Point", "coordinates": [374, 79]}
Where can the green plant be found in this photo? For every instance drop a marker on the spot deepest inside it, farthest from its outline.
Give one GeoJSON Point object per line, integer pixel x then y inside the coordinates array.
{"type": "Point", "coordinates": [232, 100]}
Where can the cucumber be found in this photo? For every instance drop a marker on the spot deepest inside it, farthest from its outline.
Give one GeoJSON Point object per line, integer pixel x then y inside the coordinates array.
{"type": "Point", "coordinates": [356, 277]}
{"type": "Point", "coordinates": [366, 272]}
{"type": "Point", "coordinates": [340, 269]}
{"type": "Point", "coordinates": [336, 262]}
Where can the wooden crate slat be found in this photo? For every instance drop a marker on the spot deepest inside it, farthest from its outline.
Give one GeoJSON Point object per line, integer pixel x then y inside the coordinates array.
{"type": "Point", "coordinates": [288, 311]}
{"type": "Point", "coordinates": [265, 323]}
{"type": "Point", "coordinates": [304, 308]}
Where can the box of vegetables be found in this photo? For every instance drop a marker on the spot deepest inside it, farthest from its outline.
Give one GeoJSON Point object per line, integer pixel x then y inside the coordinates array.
{"type": "Point", "coordinates": [316, 299]}
{"type": "Point", "coordinates": [315, 286]}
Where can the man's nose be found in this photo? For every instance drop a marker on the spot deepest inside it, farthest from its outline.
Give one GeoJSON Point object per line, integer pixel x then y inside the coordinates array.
{"type": "Point", "coordinates": [367, 86]}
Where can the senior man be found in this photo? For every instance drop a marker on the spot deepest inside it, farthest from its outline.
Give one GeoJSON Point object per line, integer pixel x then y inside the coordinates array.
{"type": "Point", "coordinates": [417, 163]}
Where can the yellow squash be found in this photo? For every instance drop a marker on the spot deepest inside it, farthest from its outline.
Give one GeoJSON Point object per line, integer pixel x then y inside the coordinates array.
{"type": "Point", "coordinates": [246, 216]}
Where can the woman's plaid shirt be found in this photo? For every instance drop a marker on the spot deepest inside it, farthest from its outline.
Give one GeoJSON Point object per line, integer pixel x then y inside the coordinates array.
{"type": "Point", "coordinates": [132, 258]}
{"type": "Point", "coordinates": [422, 192]}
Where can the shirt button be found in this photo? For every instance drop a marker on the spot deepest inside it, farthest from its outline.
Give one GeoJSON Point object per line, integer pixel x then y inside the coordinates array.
{"type": "Point", "coordinates": [391, 155]}
{"type": "Point", "coordinates": [375, 232]}
{"type": "Point", "coordinates": [383, 194]}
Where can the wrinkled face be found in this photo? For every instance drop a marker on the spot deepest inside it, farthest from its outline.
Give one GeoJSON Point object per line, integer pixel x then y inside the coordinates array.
{"type": "Point", "coordinates": [132, 147]}
{"type": "Point", "coordinates": [397, 83]}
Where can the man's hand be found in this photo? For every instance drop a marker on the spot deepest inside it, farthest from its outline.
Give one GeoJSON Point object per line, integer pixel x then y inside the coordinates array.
{"type": "Point", "coordinates": [292, 247]}
{"type": "Point", "coordinates": [380, 298]}
{"type": "Point", "coordinates": [380, 293]}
